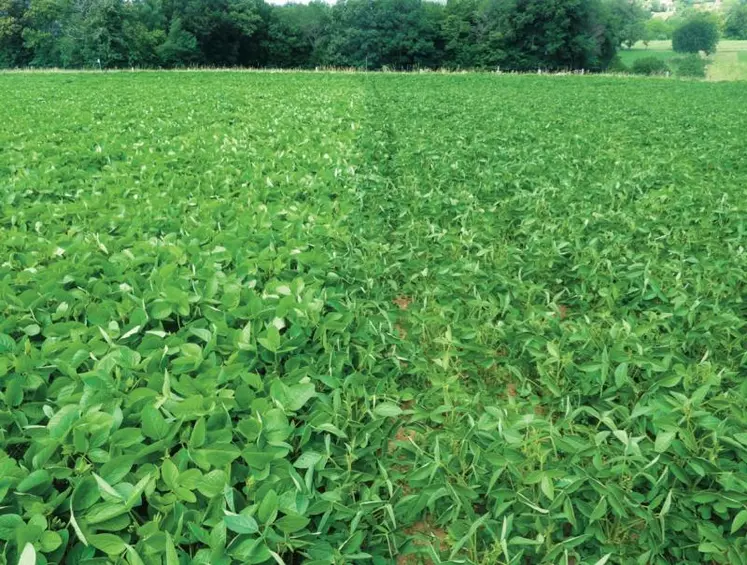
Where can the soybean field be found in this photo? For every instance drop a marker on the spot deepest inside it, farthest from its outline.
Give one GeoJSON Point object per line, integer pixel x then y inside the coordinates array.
{"type": "Point", "coordinates": [332, 318]}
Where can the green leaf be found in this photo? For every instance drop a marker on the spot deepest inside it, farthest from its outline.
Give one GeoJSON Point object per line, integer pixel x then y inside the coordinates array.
{"type": "Point", "coordinates": [14, 391]}
{"type": "Point", "coordinates": [154, 425]}
{"type": "Point", "coordinates": [212, 484]}
{"type": "Point", "coordinates": [169, 474]}
{"type": "Point", "coordinates": [621, 375]}
{"type": "Point", "coordinates": [268, 507]}
{"type": "Point", "coordinates": [86, 493]}
{"type": "Point", "coordinates": [299, 395]}
{"type": "Point", "coordinates": [104, 512]}
{"type": "Point", "coordinates": [258, 459]}
{"type": "Point", "coordinates": [600, 510]}
{"type": "Point", "coordinates": [6, 343]}
{"type": "Point", "coordinates": [62, 420]}
{"type": "Point", "coordinates": [276, 427]}
{"type": "Point", "coordinates": [192, 351]}
{"type": "Point", "coordinates": [133, 558]}
{"type": "Point", "coordinates": [8, 525]}
{"type": "Point", "coordinates": [133, 498]}
{"type": "Point", "coordinates": [218, 455]}
{"type": "Point", "coordinates": [271, 340]}
{"type": "Point", "coordinates": [171, 556]}
{"type": "Point", "coordinates": [387, 410]}
{"type": "Point", "coordinates": [115, 470]}
{"type": "Point", "coordinates": [199, 534]}
{"type": "Point", "coordinates": [739, 521]}
{"type": "Point", "coordinates": [106, 488]}
{"type": "Point", "coordinates": [161, 310]}
{"type": "Point", "coordinates": [667, 504]}
{"type": "Point", "coordinates": [669, 381]}
{"type": "Point", "coordinates": [240, 524]}
{"type": "Point", "coordinates": [547, 487]}
{"type": "Point", "coordinates": [108, 543]}
{"type": "Point", "coordinates": [334, 430]}
{"type": "Point", "coordinates": [28, 555]}
{"type": "Point", "coordinates": [291, 524]}
{"type": "Point", "coordinates": [663, 441]}
{"type": "Point", "coordinates": [35, 480]}
{"type": "Point", "coordinates": [76, 528]}
{"type": "Point", "coordinates": [307, 459]}
{"type": "Point", "coordinates": [203, 334]}
{"type": "Point", "coordinates": [50, 541]}
{"type": "Point", "coordinates": [199, 432]}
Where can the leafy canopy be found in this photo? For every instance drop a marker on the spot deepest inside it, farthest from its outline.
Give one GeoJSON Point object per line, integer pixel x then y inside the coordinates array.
{"type": "Point", "coordinates": [342, 318]}
{"type": "Point", "coordinates": [699, 33]}
{"type": "Point", "coordinates": [400, 34]}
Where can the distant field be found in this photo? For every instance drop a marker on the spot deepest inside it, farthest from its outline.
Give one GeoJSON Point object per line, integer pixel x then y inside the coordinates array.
{"type": "Point", "coordinates": [666, 45]}
{"type": "Point", "coordinates": [728, 63]}
{"type": "Point", "coordinates": [255, 318]}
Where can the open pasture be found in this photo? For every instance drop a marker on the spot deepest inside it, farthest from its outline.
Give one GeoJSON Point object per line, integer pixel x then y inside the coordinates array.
{"type": "Point", "coordinates": [729, 63]}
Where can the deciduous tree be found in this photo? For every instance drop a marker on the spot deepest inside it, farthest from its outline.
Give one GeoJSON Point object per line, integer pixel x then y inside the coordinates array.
{"type": "Point", "coordinates": [699, 33]}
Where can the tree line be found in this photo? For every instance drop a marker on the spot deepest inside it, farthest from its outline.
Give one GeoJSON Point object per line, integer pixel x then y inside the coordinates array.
{"type": "Point", "coordinates": [374, 34]}
{"type": "Point", "coordinates": [730, 20]}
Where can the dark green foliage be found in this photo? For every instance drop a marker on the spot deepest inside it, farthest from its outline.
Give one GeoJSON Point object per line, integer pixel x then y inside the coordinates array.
{"type": "Point", "coordinates": [692, 65]}
{"type": "Point", "coordinates": [147, 30]}
{"type": "Point", "coordinates": [657, 29]}
{"type": "Point", "coordinates": [143, 45]}
{"type": "Point", "coordinates": [461, 35]}
{"type": "Point", "coordinates": [650, 66]}
{"type": "Point", "coordinates": [735, 26]}
{"type": "Point", "coordinates": [296, 36]}
{"type": "Point", "coordinates": [400, 34]}
{"type": "Point", "coordinates": [554, 35]}
{"type": "Point", "coordinates": [13, 52]}
{"type": "Point", "coordinates": [393, 33]}
{"type": "Point", "coordinates": [102, 34]}
{"type": "Point", "coordinates": [699, 33]}
{"type": "Point", "coordinates": [41, 34]}
{"type": "Point", "coordinates": [328, 318]}
{"type": "Point", "coordinates": [617, 66]}
{"type": "Point", "coordinates": [180, 47]}
{"type": "Point", "coordinates": [628, 18]}
{"type": "Point", "coordinates": [226, 30]}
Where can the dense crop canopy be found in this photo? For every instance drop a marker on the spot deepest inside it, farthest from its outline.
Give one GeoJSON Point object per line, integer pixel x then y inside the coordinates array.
{"type": "Point", "coordinates": [256, 318]}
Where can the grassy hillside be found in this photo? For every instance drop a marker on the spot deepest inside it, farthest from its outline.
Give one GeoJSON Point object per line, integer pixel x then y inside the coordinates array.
{"type": "Point", "coordinates": [319, 318]}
